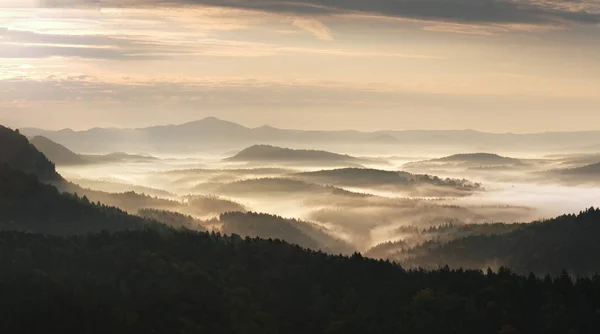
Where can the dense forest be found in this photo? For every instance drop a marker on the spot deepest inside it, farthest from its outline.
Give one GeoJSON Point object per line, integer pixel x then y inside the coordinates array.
{"type": "Point", "coordinates": [29, 205]}
{"type": "Point", "coordinates": [187, 282]}
{"type": "Point", "coordinates": [566, 242]}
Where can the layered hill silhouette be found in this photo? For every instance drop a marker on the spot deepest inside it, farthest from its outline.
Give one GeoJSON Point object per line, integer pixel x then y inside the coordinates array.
{"type": "Point", "coordinates": [213, 133]}
{"type": "Point", "coordinates": [16, 152]}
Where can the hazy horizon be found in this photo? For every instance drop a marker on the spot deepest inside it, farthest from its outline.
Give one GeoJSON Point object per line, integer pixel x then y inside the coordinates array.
{"type": "Point", "coordinates": [252, 126]}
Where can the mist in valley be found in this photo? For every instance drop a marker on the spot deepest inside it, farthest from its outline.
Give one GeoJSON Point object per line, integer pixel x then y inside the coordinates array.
{"type": "Point", "coordinates": [385, 204]}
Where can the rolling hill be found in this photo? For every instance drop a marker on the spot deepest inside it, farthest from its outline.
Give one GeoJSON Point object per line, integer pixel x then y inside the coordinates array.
{"type": "Point", "coordinates": [267, 153]}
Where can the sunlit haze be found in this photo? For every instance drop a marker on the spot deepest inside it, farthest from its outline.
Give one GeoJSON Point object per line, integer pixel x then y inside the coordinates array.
{"type": "Point", "coordinates": [496, 66]}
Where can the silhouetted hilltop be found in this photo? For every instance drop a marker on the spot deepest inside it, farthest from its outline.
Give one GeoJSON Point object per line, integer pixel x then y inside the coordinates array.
{"type": "Point", "coordinates": [18, 153]}
{"type": "Point", "coordinates": [266, 153]}
{"type": "Point", "coordinates": [57, 153]}
{"type": "Point", "coordinates": [31, 206]}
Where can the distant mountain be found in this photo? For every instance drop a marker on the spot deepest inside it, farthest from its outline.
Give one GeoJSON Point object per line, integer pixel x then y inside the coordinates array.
{"type": "Point", "coordinates": [216, 135]}
{"type": "Point", "coordinates": [18, 153]}
{"type": "Point", "coordinates": [57, 153]}
{"type": "Point", "coordinates": [28, 205]}
{"type": "Point", "coordinates": [267, 153]}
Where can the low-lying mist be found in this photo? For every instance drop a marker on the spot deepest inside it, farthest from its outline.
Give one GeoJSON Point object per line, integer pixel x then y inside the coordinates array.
{"type": "Point", "coordinates": [387, 204]}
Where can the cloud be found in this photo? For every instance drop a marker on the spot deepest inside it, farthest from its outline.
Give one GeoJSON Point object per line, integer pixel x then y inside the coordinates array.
{"type": "Point", "coordinates": [466, 11]}
{"type": "Point", "coordinates": [29, 44]}
{"type": "Point", "coordinates": [315, 27]}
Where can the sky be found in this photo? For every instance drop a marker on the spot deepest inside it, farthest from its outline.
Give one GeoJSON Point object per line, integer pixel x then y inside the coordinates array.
{"type": "Point", "coordinates": [489, 65]}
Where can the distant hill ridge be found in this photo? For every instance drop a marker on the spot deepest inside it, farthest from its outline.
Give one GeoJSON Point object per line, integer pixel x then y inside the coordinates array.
{"type": "Point", "coordinates": [213, 132]}
{"type": "Point", "coordinates": [274, 153]}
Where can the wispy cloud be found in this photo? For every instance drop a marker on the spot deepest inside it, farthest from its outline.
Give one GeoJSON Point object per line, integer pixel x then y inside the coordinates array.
{"type": "Point", "coordinates": [474, 11]}
{"type": "Point", "coordinates": [29, 44]}
{"type": "Point", "coordinates": [315, 27]}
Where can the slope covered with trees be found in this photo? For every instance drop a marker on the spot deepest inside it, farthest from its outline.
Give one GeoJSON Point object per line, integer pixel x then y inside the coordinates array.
{"type": "Point", "coordinates": [567, 242]}
{"type": "Point", "coordinates": [28, 205]}
{"type": "Point", "coordinates": [18, 153]}
{"type": "Point", "coordinates": [185, 282]}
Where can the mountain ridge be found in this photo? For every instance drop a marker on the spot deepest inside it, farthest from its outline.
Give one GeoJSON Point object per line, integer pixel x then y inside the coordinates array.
{"type": "Point", "coordinates": [211, 131]}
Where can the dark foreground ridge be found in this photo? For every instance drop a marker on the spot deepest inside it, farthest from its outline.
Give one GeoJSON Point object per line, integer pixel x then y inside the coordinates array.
{"type": "Point", "coordinates": [187, 282]}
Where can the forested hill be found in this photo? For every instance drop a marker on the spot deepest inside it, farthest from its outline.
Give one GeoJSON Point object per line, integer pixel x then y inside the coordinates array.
{"type": "Point", "coordinates": [566, 242]}
{"type": "Point", "coordinates": [26, 204]}
{"type": "Point", "coordinates": [187, 282]}
{"type": "Point", "coordinates": [18, 153]}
